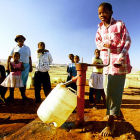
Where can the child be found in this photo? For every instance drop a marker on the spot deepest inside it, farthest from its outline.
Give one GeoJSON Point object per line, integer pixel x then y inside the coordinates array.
{"type": "Point", "coordinates": [76, 59]}
{"type": "Point", "coordinates": [2, 89]}
{"type": "Point", "coordinates": [73, 72]}
{"type": "Point", "coordinates": [96, 81]}
{"type": "Point", "coordinates": [71, 57]}
{"type": "Point", "coordinates": [13, 80]}
{"type": "Point", "coordinates": [114, 35]}
{"type": "Point", "coordinates": [41, 75]}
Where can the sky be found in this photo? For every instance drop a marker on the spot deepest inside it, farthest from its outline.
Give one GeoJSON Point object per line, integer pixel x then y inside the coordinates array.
{"type": "Point", "coordinates": [66, 26]}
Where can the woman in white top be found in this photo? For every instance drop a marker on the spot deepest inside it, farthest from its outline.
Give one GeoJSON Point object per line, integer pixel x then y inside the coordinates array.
{"type": "Point", "coordinates": [42, 76]}
{"type": "Point", "coordinates": [96, 81]}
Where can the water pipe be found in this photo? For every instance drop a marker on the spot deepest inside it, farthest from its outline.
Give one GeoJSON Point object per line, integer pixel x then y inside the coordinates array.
{"type": "Point", "coordinates": [80, 80]}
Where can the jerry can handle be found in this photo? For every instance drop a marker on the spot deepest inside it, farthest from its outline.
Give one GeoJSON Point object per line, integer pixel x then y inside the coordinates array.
{"type": "Point", "coordinates": [73, 90]}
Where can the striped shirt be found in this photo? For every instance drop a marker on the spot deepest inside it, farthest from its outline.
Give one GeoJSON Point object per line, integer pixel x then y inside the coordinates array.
{"type": "Point", "coordinates": [43, 62]}
{"type": "Point", "coordinates": [118, 37]}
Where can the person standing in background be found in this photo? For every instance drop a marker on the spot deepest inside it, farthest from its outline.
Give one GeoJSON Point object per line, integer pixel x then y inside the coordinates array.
{"type": "Point", "coordinates": [71, 69]}
{"type": "Point", "coordinates": [25, 57]}
{"type": "Point", "coordinates": [71, 57]}
{"type": "Point", "coordinates": [2, 89]}
{"type": "Point", "coordinates": [42, 76]}
{"type": "Point", "coordinates": [96, 81]}
{"type": "Point", "coordinates": [13, 80]}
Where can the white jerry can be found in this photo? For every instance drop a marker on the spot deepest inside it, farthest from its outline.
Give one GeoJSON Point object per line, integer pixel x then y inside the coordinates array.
{"type": "Point", "coordinates": [58, 105]}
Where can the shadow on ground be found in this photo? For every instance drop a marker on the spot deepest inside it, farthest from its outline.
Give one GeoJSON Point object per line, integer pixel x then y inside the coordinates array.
{"type": "Point", "coordinates": [37, 129]}
{"type": "Point", "coordinates": [96, 127]}
{"type": "Point", "coordinates": [19, 106]}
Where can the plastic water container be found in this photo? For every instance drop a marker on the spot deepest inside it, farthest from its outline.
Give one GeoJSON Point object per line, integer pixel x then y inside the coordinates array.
{"type": "Point", "coordinates": [58, 105]}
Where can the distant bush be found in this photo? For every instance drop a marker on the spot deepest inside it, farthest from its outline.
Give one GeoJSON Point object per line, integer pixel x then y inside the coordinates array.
{"type": "Point", "coordinates": [57, 80]}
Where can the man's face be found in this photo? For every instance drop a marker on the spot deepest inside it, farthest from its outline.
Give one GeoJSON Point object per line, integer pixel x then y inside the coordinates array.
{"type": "Point", "coordinates": [20, 41]}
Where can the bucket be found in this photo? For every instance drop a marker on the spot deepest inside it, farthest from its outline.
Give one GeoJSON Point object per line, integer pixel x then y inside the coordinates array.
{"type": "Point", "coordinates": [58, 105]}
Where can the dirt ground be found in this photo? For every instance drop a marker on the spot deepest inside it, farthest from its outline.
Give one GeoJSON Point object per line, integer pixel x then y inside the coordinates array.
{"type": "Point", "coordinates": [19, 121]}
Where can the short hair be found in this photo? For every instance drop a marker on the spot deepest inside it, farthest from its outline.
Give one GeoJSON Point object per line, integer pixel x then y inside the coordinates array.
{"type": "Point", "coordinates": [106, 5]}
{"type": "Point", "coordinates": [97, 50]}
{"type": "Point", "coordinates": [76, 56]}
{"type": "Point", "coordinates": [42, 44]}
{"type": "Point", "coordinates": [71, 55]}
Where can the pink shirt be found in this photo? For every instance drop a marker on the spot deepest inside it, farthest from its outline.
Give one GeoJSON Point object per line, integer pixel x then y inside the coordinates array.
{"type": "Point", "coordinates": [117, 35]}
{"type": "Point", "coordinates": [19, 65]}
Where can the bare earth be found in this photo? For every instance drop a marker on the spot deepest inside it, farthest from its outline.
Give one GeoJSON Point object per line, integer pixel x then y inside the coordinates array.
{"type": "Point", "coordinates": [24, 124]}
